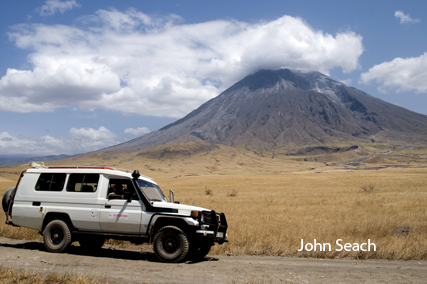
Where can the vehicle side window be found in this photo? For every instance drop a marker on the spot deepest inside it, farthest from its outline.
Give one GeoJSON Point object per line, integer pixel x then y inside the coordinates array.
{"type": "Point", "coordinates": [83, 182]}
{"type": "Point", "coordinates": [117, 188]}
{"type": "Point", "coordinates": [50, 182]}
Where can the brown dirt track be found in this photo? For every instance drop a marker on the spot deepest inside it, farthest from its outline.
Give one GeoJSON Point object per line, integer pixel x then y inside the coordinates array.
{"type": "Point", "coordinates": [127, 266]}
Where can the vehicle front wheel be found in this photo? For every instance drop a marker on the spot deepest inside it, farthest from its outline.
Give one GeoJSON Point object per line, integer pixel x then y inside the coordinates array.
{"type": "Point", "coordinates": [57, 236]}
{"type": "Point", "coordinates": [171, 244]}
{"type": "Point", "coordinates": [200, 249]}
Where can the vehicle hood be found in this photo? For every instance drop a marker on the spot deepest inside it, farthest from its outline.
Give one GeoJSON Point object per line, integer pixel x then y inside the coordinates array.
{"type": "Point", "coordinates": [182, 208]}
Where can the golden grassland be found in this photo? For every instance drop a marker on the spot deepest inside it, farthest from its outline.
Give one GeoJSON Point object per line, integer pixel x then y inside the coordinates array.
{"type": "Point", "coordinates": [270, 214]}
{"type": "Point", "coordinates": [273, 203]}
{"type": "Point", "coordinates": [25, 276]}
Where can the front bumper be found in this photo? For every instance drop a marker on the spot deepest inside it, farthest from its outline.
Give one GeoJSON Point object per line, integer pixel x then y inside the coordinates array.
{"type": "Point", "coordinates": [214, 226]}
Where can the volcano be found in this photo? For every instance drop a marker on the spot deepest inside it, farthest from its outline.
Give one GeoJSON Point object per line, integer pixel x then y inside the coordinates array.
{"type": "Point", "coordinates": [277, 108]}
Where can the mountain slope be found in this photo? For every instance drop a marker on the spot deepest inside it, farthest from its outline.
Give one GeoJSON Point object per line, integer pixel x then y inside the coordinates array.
{"type": "Point", "coordinates": [270, 109]}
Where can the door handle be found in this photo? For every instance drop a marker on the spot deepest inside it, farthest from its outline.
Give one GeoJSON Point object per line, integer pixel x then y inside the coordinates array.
{"type": "Point", "coordinates": [107, 206]}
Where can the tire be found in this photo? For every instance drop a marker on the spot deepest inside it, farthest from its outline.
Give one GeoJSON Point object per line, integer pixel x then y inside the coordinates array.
{"type": "Point", "coordinates": [7, 198]}
{"type": "Point", "coordinates": [92, 244]}
{"type": "Point", "coordinates": [201, 250]}
{"type": "Point", "coordinates": [171, 244]}
{"type": "Point", "coordinates": [57, 236]}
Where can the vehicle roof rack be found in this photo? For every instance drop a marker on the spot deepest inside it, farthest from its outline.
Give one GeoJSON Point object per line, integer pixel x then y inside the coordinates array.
{"type": "Point", "coordinates": [41, 165]}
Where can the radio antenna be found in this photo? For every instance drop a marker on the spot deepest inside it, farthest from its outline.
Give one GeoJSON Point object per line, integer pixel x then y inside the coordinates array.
{"type": "Point", "coordinates": [80, 142]}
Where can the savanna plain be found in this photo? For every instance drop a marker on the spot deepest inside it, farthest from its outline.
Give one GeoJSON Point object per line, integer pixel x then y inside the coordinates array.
{"type": "Point", "coordinates": [273, 201]}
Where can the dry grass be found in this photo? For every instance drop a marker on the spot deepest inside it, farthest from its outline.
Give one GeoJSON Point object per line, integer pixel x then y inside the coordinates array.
{"type": "Point", "coordinates": [272, 213]}
{"type": "Point", "coordinates": [271, 204]}
{"type": "Point", "coordinates": [25, 276]}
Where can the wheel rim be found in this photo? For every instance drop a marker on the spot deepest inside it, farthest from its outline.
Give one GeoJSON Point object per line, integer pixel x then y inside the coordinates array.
{"type": "Point", "coordinates": [57, 236]}
{"type": "Point", "coordinates": [170, 244]}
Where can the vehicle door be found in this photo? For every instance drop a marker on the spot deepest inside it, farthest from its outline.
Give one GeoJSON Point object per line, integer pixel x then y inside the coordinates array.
{"type": "Point", "coordinates": [119, 215]}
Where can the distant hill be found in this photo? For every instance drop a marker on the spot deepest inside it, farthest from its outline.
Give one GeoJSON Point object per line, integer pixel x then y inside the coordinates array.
{"type": "Point", "coordinates": [282, 108]}
{"type": "Point", "coordinates": [7, 161]}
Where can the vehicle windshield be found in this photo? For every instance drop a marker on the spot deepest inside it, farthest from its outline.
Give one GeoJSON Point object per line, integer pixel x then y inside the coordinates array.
{"type": "Point", "coordinates": [152, 191]}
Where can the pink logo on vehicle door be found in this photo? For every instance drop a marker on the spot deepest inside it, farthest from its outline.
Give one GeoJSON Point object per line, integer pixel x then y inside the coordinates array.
{"type": "Point", "coordinates": [118, 216]}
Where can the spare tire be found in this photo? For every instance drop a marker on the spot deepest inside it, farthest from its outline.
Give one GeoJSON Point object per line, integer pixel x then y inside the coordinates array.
{"type": "Point", "coordinates": [7, 198]}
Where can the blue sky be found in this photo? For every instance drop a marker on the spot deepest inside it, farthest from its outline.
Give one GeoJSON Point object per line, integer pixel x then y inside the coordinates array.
{"type": "Point", "coordinates": [80, 75]}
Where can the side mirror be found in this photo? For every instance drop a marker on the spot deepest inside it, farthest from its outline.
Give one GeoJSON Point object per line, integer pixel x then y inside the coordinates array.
{"type": "Point", "coordinates": [128, 196]}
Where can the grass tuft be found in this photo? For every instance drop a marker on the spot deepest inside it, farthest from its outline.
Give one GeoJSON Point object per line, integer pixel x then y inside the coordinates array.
{"type": "Point", "coordinates": [368, 188]}
{"type": "Point", "coordinates": [208, 191]}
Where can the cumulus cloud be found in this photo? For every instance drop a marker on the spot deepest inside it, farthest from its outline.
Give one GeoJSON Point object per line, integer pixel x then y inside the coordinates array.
{"type": "Point", "coordinates": [347, 82]}
{"type": "Point", "coordinates": [79, 140]}
{"type": "Point", "coordinates": [156, 65]}
{"type": "Point", "coordinates": [51, 7]}
{"type": "Point", "coordinates": [25, 145]}
{"type": "Point", "coordinates": [400, 74]}
{"type": "Point", "coordinates": [404, 18]}
{"type": "Point", "coordinates": [90, 139]}
{"type": "Point", "coordinates": [137, 131]}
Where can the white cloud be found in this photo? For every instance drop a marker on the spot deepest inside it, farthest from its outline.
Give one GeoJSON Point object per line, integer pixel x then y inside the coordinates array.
{"type": "Point", "coordinates": [90, 139]}
{"type": "Point", "coordinates": [51, 7]}
{"type": "Point", "coordinates": [400, 74]}
{"type": "Point", "coordinates": [135, 63]}
{"type": "Point", "coordinates": [137, 131]}
{"type": "Point", "coordinates": [404, 18]}
{"type": "Point", "coordinates": [347, 82]}
{"type": "Point", "coordinates": [4, 136]}
{"type": "Point", "coordinates": [79, 140]}
{"type": "Point", "coordinates": [25, 145]}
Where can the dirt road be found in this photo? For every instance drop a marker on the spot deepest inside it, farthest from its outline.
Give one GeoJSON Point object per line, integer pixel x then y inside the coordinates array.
{"type": "Point", "coordinates": [125, 266]}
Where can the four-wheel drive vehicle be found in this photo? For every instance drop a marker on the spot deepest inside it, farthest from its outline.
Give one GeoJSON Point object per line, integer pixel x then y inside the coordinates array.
{"type": "Point", "coordinates": [94, 203]}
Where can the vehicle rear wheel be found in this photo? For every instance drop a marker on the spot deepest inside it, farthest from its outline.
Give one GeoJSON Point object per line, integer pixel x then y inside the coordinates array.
{"type": "Point", "coordinates": [57, 236]}
{"type": "Point", "coordinates": [171, 244]}
{"type": "Point", "coordinates": [92, 243]}
{"type": "Point", "coordinates": [7, 198]}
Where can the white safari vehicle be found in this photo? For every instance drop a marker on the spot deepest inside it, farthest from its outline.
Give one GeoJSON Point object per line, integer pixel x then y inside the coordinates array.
{"type": "Point", "coordinates": [94, 203]}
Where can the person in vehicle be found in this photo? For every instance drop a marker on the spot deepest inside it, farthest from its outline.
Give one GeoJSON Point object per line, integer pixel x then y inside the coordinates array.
{"type": "Point", "coordinates": [117, 192]}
